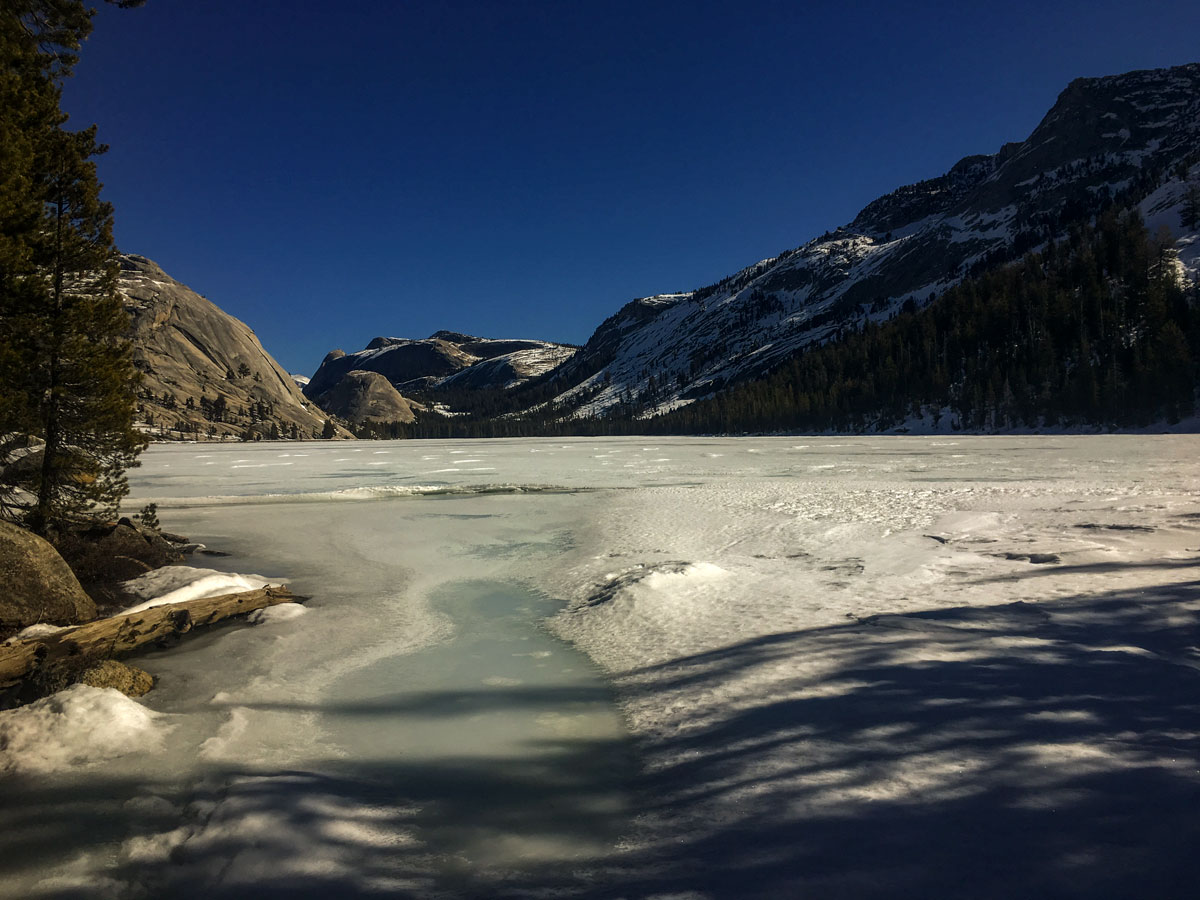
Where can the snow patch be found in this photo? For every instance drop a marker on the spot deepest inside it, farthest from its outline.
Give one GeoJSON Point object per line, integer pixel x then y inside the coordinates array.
{"type": "Point", "coordinates": [80, 726]}
{"type": "Point", "coordinates": [179, 584]}
{"type": "Point", "coordinates": [41, 629]}
{"type": "Point", "coordinates": [283, 612]}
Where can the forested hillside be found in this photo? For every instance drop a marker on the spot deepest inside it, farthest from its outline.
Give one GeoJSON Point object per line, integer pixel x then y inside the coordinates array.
{"type": "Point", "coordinates": [1099, 328]}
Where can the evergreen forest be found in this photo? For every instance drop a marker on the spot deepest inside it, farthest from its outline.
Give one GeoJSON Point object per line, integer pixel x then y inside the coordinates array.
{"type": "Point", "coordinates": [1096, 329]}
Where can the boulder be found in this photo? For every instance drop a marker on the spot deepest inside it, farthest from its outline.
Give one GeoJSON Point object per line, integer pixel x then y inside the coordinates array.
{"type": "Point", "coordinates": [129, 680]}
{"type": "Point", "coordinates": [105, 555]}
{"type": "Point", "coordinates": [36, 584]}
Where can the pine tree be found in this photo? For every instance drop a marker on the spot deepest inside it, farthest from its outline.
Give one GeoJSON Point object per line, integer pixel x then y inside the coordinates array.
{"type": "Point", "coordinates": [1190, 214]}
{"type": "Point", "coordinates": [28, 108]}
{"type": "Point", "coordinates": [65, 366]}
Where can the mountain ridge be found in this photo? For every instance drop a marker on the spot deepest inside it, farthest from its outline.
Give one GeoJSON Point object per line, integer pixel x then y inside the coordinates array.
{"type": "Point", "coordinates": [1106, 142]}
{"type": "Point", "coordinates": [444, 359]}
{"type": "Point", "coordinates": [1104, 139]}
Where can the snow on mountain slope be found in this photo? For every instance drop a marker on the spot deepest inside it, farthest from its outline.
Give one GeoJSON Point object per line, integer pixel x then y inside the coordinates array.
{"type": "Point", "coordinates": [445, 358]}
{"type": "Point", "coordinates": [1167, 208]}
{"type": "Point", "coordinates": [1119, 138]}
{"type": "Point", "coordinates": [510, 369]}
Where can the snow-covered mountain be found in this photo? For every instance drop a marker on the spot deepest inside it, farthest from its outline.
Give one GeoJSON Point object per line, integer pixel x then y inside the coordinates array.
{"type": "Point", "coordinates": [1124, 140]}
{"type": "Point", "coordinates": [446, 360]}
{"type": "Point", "coordinates": [1133, 138]}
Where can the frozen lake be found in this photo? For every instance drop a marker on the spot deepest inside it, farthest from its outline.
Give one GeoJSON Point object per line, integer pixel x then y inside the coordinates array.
{"type": "Point", "coordinates": [851, 666]}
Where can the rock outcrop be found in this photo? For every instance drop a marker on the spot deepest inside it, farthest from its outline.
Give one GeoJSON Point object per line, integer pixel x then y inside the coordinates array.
{"type": "Point", "coordinates": [104, 555]}
{"type": "Point", "coordinates": [110, 673]}
{"type": "Point", "coordinates": [36, 584]}
{"type": "Point", "coordinates": [204, 373]}
{"type": "Point", "coordinates": [362, 397]}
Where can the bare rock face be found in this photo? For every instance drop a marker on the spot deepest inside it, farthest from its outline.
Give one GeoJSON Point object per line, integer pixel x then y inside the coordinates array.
{"type": "Point", "coordinates": [36, 584]}
{"type": "Point", "coordinates": [408, 363]}
{"type": "Point", "coordinates": [367, 397]}
{"type": "Point", "coordinates": [204, 373]}
{"type": "Point", "coordinates": [104, 555]}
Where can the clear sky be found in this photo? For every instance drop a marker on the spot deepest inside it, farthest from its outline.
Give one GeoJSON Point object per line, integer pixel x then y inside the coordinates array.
{"type": "Point", "coordinates": [332, 170]}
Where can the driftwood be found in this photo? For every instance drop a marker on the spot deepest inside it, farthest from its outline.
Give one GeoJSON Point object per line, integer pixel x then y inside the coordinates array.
{"type": "Point", "coordinates": [123, 633]}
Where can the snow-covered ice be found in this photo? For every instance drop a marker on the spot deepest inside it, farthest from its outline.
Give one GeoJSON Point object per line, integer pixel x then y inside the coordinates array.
{"type": "Point", "coordinates": [858, 667]}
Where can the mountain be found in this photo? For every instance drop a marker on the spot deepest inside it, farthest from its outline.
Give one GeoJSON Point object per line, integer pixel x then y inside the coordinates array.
{"type": "Point", "coordinates": [1105, 139]}
{"type": "Point", "coordinates": [445, 361]}
{"type": "Point", "coordinates": [365, 397]}
{"type": "Point", "coordinates": [1099, 330]}
{"type": "Point", "coordinates": [1128, 139]}
{"type": "Point", "coordinates": [1109, 182]}
{"type": "Point", "coordinates": [204, 373]}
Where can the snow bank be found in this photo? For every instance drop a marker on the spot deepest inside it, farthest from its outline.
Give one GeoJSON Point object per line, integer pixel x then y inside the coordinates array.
{"type": "Point", "coordinates": [41, 629]}
{"type": "Point", "coordinates": [283, 612]}
{"type": "Point", "coordinates": [80, 726]}
{"type": "Point", "coordinates": [179, 584]}
{"type": "Point", "coordinates": [636, 613]}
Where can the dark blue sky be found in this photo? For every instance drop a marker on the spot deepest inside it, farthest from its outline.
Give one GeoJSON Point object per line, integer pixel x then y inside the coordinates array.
{"type": "Point", "coordinates": [329, 171]}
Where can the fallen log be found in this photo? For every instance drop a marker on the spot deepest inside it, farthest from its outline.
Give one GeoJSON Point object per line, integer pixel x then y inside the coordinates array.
{"type": "Point", "coordinates": [124, 633]}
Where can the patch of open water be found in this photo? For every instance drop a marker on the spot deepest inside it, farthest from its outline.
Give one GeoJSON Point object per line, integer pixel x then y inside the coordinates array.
{"type": "Point", "coordinates": [519, 755]}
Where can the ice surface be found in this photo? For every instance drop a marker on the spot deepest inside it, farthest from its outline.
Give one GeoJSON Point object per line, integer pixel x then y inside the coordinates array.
{"type": "Point", "coordinates": [843, 673]}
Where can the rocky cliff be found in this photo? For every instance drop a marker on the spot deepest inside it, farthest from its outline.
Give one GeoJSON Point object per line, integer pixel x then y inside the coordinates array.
{"type": "Point", "coordinates": [204, 373]}
{"type": "Point", "coordinates": [367, 397]}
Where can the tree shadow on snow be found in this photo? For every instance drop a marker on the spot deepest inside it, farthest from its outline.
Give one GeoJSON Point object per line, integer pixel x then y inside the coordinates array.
{"type": "Point", "coordinates": [457, 827]}
{"type": "Point", "coordinates": [1046, 750]}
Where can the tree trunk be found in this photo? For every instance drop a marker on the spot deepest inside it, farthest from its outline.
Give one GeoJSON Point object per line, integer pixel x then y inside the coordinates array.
{"type": "Point", "coordinates": [48, 485]}
{"type": "Point", "coordinates": [118, 635]}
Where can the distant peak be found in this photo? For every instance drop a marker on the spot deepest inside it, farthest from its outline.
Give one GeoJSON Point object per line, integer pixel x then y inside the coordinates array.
{"type": "Point", "coordinates": [453, 337]}
{"type": "Point", "coordinates": [380, 342]}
